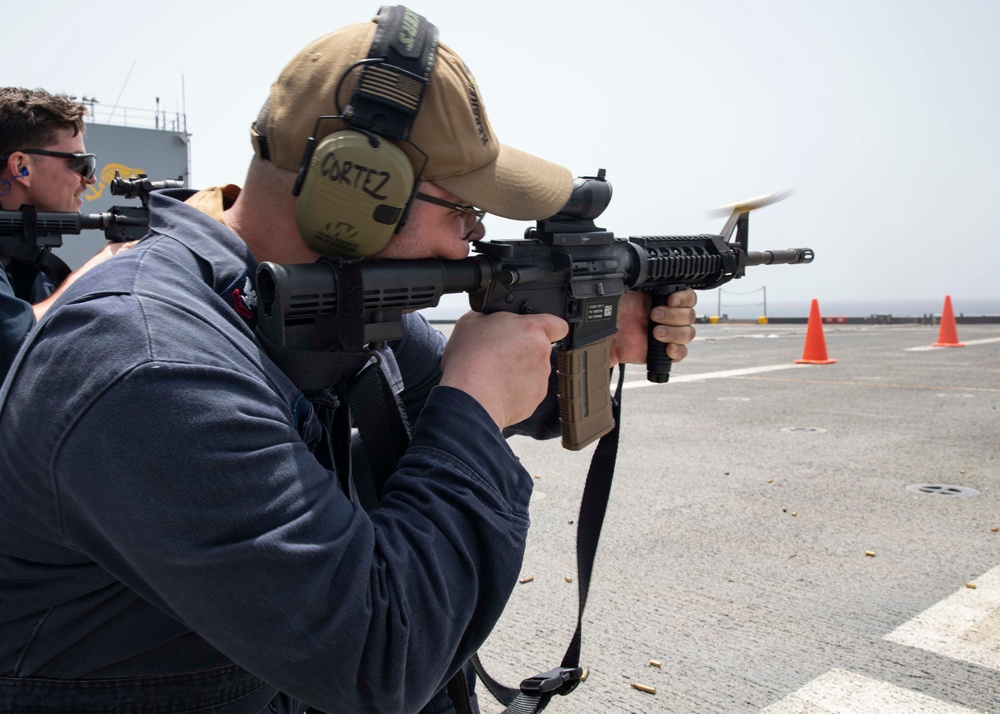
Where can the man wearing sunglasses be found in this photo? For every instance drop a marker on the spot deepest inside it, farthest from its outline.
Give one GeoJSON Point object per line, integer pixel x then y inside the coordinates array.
{"type": "Point", "coordinates": [215, 559]}
{"type": "Point", "coordinates": [51, 176]}
{"type": "Point", "coordinates": [43, 163]}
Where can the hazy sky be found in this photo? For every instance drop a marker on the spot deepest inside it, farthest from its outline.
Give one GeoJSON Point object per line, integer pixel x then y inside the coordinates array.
{"type": "Point", "coordinates": [884, 116]}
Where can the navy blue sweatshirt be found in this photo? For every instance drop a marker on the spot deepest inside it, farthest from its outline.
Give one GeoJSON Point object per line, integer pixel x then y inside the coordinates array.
{"type": "Point", "coordinates": [165, 524]}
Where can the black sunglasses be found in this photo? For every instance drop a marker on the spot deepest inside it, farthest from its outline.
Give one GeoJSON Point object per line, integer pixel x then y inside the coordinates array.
{"type": "Point", "coordinates": [83, 164]}
{"type": "Point", "coordinates": [465, 209]}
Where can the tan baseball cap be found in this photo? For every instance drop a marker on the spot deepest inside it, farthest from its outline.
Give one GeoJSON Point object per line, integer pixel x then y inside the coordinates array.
{"type": "Point", "coordinates": [464, 156]}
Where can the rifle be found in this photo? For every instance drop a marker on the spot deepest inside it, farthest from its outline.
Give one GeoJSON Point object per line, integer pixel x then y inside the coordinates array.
{"type": "Point", "coordinates": [27, 236]}
{"type": "Point", "coordinates": [565, 266]}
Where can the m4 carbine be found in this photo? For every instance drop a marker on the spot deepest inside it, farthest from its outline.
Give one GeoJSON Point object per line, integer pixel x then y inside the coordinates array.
{"type": "Point", "coordinates": [565, 266]}
{"type": "Point", "coordinates": [27, 236]}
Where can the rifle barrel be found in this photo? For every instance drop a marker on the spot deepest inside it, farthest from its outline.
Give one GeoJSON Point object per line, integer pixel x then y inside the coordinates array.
{"type": "Point", "coordinates": [790, 256]}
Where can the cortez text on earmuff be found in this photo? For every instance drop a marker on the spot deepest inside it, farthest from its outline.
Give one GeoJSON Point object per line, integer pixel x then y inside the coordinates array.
{"type": "Point", "coordinates": [354, 187]}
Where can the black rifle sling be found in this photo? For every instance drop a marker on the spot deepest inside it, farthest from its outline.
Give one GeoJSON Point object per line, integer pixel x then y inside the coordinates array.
{"type": "Point", "coordinates": [382, 425]}
{"type": "Point", "coordinates": [51, 265]}
{"type": "Point", "coordinates": [385, 434]}
{"type": "Point", "coordinates": [23, 271]}
{"type": "Point", "coordinates": [333, 449]}
{"type": "Point", "coordinates": [535, 692]}
{"type": "Point", "coordinates": [311, 370]}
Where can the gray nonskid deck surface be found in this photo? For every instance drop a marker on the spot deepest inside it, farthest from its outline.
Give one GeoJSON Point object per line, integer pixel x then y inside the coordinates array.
{"type": "Point", "coordinates": [768, 541]}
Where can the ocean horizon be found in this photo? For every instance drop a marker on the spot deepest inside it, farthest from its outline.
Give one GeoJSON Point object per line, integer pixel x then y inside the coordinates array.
{"type": "Point", "coordinates": [452, 307]}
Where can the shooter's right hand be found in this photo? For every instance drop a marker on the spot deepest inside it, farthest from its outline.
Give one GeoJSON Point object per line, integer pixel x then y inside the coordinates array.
{"type": "Point", "coordinates": [502, 360]}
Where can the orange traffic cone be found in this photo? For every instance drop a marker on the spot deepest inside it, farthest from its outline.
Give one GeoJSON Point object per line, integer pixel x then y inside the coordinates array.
{"type": "Point", "coordinates": [815, 349]}
{"type": "Point", "coordinates": [947, 335]}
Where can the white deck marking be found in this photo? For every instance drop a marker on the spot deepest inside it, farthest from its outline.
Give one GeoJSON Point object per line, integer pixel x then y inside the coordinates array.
{"type": "Point", "coordinates": [717, 375]}
{"type": "Point", "coordinates": [964, 626]}
{"type": "Point", "coordinates": [967, 343]}
{"type": "Point", "coordinates": [842, 692]}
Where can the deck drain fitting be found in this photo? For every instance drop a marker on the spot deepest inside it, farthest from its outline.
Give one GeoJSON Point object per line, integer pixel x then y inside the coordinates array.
{"type": "Point", "coordinates": [943, 489]}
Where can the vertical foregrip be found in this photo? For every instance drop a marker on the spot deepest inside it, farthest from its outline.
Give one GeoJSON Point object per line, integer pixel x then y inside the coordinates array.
{"type": "Point", "coordinates": [657, 362]}
{"type": "Point", "coordinates": [585, 393]}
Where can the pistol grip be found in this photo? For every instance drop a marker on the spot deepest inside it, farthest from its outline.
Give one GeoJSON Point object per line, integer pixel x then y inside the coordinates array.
{"type": "Point", "coordinates": [657, 363]}
{"type": "Point", "coordinates": [585, 393]}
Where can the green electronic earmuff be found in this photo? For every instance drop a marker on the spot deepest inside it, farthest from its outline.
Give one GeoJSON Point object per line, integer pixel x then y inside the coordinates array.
{"type": "Point", "coordinates": [354, 194]}
{"type": "Point", "coordinates": [354, 187]}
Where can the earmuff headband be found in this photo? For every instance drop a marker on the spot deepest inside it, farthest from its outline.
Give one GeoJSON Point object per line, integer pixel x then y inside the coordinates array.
{"type": "Point", "coordinates": [391, 86]}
